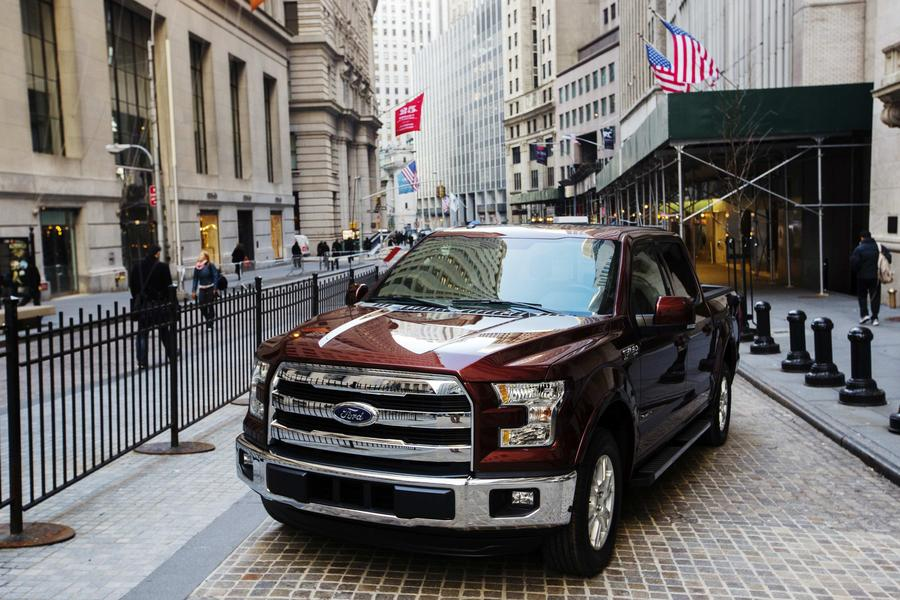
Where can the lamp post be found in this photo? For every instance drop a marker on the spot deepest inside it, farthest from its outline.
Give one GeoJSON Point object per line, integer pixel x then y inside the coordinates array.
{"type": "Point", "coordinates": [118, 149]}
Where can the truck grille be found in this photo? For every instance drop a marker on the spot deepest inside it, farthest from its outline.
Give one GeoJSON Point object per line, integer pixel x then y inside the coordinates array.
{"type": "Point", "coordinates": [411, 420]}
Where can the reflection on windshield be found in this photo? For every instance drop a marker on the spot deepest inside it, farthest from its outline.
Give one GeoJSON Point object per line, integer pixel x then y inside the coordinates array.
{"type": "Point", "coordinates": [569, 275]}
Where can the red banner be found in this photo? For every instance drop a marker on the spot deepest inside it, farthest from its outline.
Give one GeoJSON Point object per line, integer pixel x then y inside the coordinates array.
{"type": "Point", "coordinates": [408, 118]}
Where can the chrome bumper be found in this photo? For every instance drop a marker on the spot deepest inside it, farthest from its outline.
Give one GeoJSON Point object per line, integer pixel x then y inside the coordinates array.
{"type": "Point", "coordinates": [471, 495]}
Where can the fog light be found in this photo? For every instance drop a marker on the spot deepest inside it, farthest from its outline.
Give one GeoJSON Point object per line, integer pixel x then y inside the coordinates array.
{"type": "Point", "coordinates": [245, 461]}
{"type": "Point", "coordinates": [522, 498]}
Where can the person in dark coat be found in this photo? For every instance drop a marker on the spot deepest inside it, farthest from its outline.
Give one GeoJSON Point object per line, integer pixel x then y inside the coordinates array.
{"type": "Point", "coordinates": [864, 264]}
{"type": "Point", "coordinates": [205, 287]}
{"type": "Point", "coordinates": [30, 279]}
{"type": "Point", "coordinates": [297, 254]}
{"type": "Point", "coordinates": [238, 256]}
{"type": "Point", "coordinates": [149, 282]}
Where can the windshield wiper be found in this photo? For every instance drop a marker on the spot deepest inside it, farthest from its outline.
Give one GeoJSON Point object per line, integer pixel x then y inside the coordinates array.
{"type": "Point", "coordinates": [510, 304]}
{"type": "Point", "coordinates": [410, 301]}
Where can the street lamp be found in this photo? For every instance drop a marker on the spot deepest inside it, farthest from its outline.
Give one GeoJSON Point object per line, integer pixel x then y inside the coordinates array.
{"type": "Point", "coordinates": [118, 149]}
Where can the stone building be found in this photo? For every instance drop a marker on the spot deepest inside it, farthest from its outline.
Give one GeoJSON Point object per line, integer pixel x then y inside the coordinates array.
{"type": "Point", "coordinates": [74, 79]}
{"type": "Point", "coordinates": [333, 116]}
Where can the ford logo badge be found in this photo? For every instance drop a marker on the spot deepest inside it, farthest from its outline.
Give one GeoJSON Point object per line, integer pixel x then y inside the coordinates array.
{"type": "Point", "coordinates": [355, 413]}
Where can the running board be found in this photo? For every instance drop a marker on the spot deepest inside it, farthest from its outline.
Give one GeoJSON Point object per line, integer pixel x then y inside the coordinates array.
{"type": "Point", "coordinates": [664, 458]}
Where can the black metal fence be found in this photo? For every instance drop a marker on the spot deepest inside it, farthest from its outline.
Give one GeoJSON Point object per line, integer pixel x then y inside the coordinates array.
{"type": "Point", "coordinates": [77, 397]}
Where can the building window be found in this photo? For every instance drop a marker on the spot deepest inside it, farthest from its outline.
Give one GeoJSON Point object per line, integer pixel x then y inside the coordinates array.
{"type": "Point", "coordinates": [291, 22]}
{"type": "Point", "coordinates": [268, 101]}
{"type": "Point", "coordinates": [612, 11]}
{"type": "Point", "coordinates": [612, 72]}
{"type": "Point", "coordinates": [198, 50]}
{"type": "Point", "coordinates": [612, 103]}
{"type": "Point", "coordinates": [534, 179]}
{"type": "Point", "coordinates": [550, 181]}
{"type": "Point", "coordinates": [516, 155]}
{"type": "Point", "coordinates": [596, 109]}
{"type": "Point", "coordinates": [602, 75]}
{"type": "Point", "coordinates": [603, 107]}
{"type": "Point", "coordinates": [127, 33]}
{"type": "Point", "coordinates": [606, 16]}
{"type": "Point", "coordinates": [596, 79]}
{"type": "Point", "coordinates": [235, 74]}
{"type": "Point", "coordinates": [42, 75]}
{"type": "Point", "coordinates": [517, 182]}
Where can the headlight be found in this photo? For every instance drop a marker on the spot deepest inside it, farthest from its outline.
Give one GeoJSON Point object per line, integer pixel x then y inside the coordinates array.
{"type": "Point", "coordinates": [541, 401]}
{"type": "Point", "coordinates": [258, 389]}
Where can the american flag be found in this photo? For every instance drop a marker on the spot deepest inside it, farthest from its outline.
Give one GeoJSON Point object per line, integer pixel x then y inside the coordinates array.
{"type": "Point", "coordinates": [409, 171]}
{"type": "Point", "coordinates": [692, 63]}
{"type": "Point", "coordinates": [662, 70]}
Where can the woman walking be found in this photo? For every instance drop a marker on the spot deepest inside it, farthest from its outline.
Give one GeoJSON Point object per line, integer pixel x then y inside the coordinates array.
{"type": "Point", "coordinates": [206, 277]}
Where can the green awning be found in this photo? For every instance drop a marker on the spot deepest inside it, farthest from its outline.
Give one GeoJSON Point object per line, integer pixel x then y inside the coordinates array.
{"type": "Point", "coordinates": [763, 114]}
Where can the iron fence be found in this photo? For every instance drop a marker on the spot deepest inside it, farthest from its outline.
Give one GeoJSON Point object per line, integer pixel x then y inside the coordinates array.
{"type": "Point", "coordinates": [79, 395]}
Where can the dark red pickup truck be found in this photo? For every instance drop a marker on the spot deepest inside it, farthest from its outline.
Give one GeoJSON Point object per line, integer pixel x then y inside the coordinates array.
{"type": "Point", "coordinates": [496, 390]}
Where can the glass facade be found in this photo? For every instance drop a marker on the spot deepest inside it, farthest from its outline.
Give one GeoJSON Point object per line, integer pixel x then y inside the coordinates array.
{"type": "Point", "coordinates": [42, 74]}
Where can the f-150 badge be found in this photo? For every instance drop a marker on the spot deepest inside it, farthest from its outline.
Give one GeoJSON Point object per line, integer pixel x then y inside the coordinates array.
{"type": "Point", "coordinates": [629, 352]}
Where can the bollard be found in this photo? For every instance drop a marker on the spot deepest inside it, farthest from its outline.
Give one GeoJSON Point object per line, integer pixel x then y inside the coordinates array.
{"type": "Point", "coordinates": [798, 359]}
{"type": "Point", "coordinates": [762, 341]}
{"type": "Point", "coordinates": [861, 389]}
{"type": "Point", "coordinates": [892, 298]}
{"type": "Point", "coordinates": [823, 372]}
{"type": "Point", "coordinates": [894, 423]}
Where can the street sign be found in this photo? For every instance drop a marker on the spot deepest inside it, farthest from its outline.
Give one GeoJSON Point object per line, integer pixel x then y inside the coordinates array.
{"type": "Point", "coordinates": [152, 195]}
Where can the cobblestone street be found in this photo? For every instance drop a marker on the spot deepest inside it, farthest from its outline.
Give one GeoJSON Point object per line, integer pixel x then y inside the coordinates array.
{"type": "Point", "coordinates": [779, 512]}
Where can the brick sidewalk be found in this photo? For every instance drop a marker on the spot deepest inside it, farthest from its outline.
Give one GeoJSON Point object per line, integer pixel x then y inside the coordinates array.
{"type": "Point", "coordinates": [862, 430]}
{"type": "Point", "coordinates": [129, 518]}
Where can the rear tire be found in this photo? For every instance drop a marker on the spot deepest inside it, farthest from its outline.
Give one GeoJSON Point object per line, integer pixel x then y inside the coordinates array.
{"type": "Point", "coordinates": [719, 410]}
{"type": "Point", "coordinates": [585, 546]}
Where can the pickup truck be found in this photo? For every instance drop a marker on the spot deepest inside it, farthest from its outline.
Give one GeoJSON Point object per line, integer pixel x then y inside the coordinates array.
{"type": "Point", "coordinates": [494, 391]}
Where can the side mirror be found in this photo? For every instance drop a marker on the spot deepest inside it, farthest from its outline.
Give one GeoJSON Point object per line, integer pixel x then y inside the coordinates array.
{"type": "Point", "coordinates": [674, 312]}
{"type": "Point", "coordinates": [355, 293]}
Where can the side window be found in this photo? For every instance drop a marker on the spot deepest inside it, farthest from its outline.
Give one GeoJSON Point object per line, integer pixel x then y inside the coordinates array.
{"type": "Point", "coordinates": [683, 282]}
{"type": "Point", "coordinates": [647, 281]}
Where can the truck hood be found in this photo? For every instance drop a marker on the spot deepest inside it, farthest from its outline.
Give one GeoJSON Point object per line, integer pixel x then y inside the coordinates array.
{"type": "Point", "coordinates": [397, 336]}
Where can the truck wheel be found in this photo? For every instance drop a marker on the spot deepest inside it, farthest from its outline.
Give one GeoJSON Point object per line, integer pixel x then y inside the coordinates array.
{"type": "Point", "coordinates": [719, 411]}
{"type": "Point", "coordinates": [585, 545]}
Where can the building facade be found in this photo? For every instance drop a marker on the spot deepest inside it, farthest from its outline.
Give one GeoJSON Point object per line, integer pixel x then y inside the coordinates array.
{"type": "Point", "coordinates": [540, 39]}
{"type": "Point", "coordinates": [884, 50]}
{"type": "Point", "coordinates": [75, 79]}
{"type": "Point", "coordinates": [333, 117]}
{"type": "Point", "coordinates": [460, 147]}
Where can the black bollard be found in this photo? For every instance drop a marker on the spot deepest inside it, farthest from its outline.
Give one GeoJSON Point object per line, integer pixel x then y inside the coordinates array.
{"type": "Point", "coordinates": [823, 372]}
{"type": "Point", "coordinates": [894, 423]}
{"type": "Point", "coordinates": [798, 360]}
{"type": "Point", "coordinates": [861, 389]}
{"type": "Point", "coordinates": [762, 341]}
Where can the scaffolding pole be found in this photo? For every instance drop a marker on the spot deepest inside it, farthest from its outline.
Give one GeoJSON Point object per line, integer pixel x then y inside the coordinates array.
{"type": "Point", "coordinates": [680, 194]}
{"type": "Point", "coordinates": [821, 215]}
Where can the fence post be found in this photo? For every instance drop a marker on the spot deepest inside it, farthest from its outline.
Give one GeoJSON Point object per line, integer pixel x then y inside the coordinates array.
{"type": "Point", "coordinates": [823, 372]}
{"type": "Point", "coordinates": [861, 389]}
{"type": "Point", "coordinates": [257, 310]}
{"type": "Point", "coordinates": [169, 328]}
{"type": "Point", "coordinates": [16, 534]}
{"type": "Point", "coordinates": [315, 294]}
{"type": "Point", "coordinates": [351, 275]}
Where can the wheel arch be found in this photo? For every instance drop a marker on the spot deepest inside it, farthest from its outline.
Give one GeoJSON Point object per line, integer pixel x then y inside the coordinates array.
{"type": "Point", "coordinates": [616, 416]}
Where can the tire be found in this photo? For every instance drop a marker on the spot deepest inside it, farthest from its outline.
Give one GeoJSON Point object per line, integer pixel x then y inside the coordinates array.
{"type": "Point", "coordinates": [719, 411]}
{"type": "Point", "coordinates": [571, 550]}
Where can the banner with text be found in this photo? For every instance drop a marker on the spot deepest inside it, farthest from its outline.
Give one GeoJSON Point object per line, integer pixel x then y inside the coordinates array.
{"type": "Point", "coordinates": [408, 118]}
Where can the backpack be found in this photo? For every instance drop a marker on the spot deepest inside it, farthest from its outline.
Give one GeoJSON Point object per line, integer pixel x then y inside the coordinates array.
{"type": "Point", "coordinates": [885, 273]}
{"type": "Point", "coordinates": [221, 280]}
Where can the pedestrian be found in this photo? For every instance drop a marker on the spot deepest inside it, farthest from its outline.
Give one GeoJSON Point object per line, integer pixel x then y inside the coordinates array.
{"type": "Point", "coordinates": [29, 282]}
{"type": "Point", "coordinates": [237, 257]}
{"type": "Point", "coordinates": [297, 254]}
{"type": "Point", "coordinates": [864, 263]}
{"type": "Point", "coordinates": [206, 280]}
{"type": "Point", "coordinates": [149, 282]}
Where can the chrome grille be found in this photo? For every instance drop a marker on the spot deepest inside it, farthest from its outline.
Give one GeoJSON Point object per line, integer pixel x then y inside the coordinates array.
{"type": "Point", "coordinates": [419, 417]}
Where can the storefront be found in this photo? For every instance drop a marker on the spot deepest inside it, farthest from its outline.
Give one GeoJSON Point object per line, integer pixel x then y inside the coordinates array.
{"type": "Point", "coordinates": [58, 245]}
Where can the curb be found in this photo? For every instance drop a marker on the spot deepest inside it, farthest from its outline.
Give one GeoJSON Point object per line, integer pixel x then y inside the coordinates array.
{"type": "Point", "coordinates": [879, 463]}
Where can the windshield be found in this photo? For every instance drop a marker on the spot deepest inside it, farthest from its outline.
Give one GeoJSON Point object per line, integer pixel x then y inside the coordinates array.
{"type": "Point", "coordinates": [568, 275]}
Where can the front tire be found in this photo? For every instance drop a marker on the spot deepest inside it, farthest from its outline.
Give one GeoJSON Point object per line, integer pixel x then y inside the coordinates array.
{"type": "Point", "coordinates": [720, 411]}
{"type": "Point", "coordinates": [584, 546]}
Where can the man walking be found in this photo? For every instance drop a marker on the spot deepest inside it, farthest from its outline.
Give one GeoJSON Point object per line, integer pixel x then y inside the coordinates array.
{"type": "Point", "coordinates": [238, 256]}
{"type": "Point", "coordinates": [149, 282]}
{"type": "Point", "coordinates": [864, 263]}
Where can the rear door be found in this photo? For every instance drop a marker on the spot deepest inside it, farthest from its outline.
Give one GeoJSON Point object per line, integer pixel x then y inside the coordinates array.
{"type": "Point", "coordinates": [660, 384]}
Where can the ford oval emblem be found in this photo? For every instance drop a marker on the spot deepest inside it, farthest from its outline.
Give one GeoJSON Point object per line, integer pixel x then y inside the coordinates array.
{"type": "Point", "coordinates": [355, 413]}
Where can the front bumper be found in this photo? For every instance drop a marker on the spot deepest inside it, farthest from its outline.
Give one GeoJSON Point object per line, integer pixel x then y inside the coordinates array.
{"type": "Point", "coordinates": [469, 499]}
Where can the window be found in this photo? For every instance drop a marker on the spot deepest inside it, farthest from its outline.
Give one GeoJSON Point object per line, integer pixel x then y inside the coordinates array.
{"type": "Point", "coordinates": [580, 87]}
{"type": "Point", "coordinates": [516, 155]}
{"type": "Point", "coordinates": [126, 34]}
{"type": "Point", "coordinates": [596, 79]}
{"type": "Point", "coordinates": [596, 109]}
{"type": "Point", "coordinates": [42, 75]}
{"type": "Point", "coordinates": [647, 282]}
{"type": "Point", "coordinates": [291, 22]}
{"type": "Point", "coordinates": [606, 16]}
{"type": "Point", "coordinates": [681, 274]}
{"type": "Point", "coordinates": [198, 55]}
{"type": "Point", "coordinates": [612, 11]}
{"type": "Point", "coordinates": [603, 107]}
{"type": "Point", "coordinates": [534, 179]}
{"type": "Point", "coordinates": [602, 75]}
{"type": "Point", "coordinates": [550, 172]}
{"type": "Point", "coordinates": [517, 182]}
{"type": "Point", "coordinates": [268, 102]}
{"type": "Point", "coordinates": [612, 72]}
{"type": "Point", "coordinates": [235, 73]}
{"type": "Point", "coordinates": [612, 103]}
